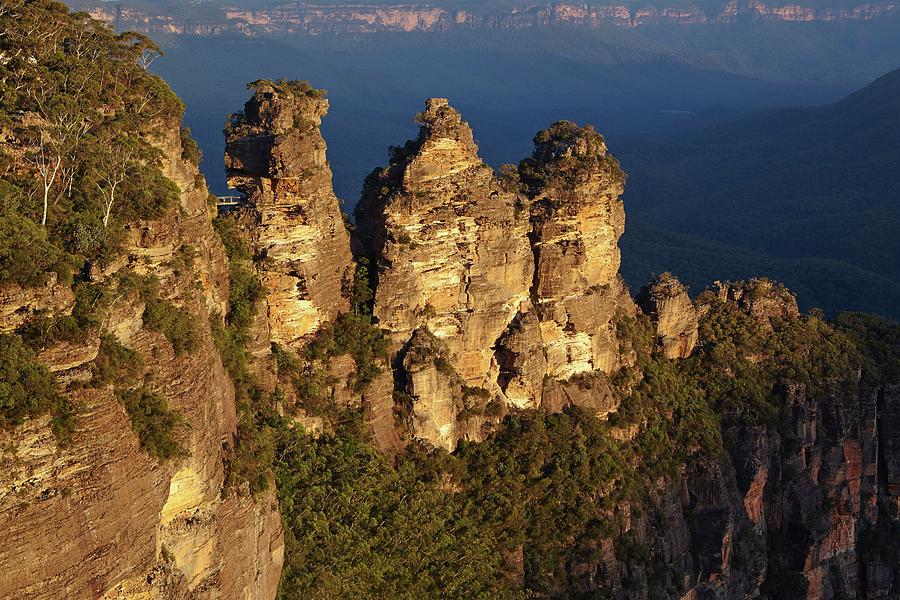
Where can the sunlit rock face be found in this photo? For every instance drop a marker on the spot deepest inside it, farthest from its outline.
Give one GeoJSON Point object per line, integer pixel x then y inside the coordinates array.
{"type": "Point", "coordinates": [450, 242]}
{"type": "Point", "coordinates": [668, 305]}
{"type": "Point", "coordinates": [515, 273]}
{"type": "Point", "coordinates": [275, 155]}
{"type": "Point", "coordinates": [101, 518]}
{"type": "Point", "coordinates": [577, 218]}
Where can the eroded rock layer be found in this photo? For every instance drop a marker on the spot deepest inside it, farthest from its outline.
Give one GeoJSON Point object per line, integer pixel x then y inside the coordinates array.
{"type": "Point", "coordinates": [101, 517]}
{"type": "Point", "coordinates": [275, 155]}
{"type": "Point", "coordinates": [667, 303]}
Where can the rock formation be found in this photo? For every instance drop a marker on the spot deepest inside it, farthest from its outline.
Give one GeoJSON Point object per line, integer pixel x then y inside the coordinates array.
{"type": "Point", "coordinates": [275, 155]}
{"type": "Point", "coordinates": [465, 253]}
{"type": "Point", "coordinates": [668, 305]}
{"type": "Point", "coordinates": [577, 218]}
{"type": "Point", "coordinates": [450, 241]}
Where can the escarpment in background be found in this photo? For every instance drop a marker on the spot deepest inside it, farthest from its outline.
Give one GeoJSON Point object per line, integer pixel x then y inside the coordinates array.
{"type": "Point", "coordinates": [312, 19]}
{"type": "Point", "coordinates": [577, 218]}
{"type": "Point", "coordinates": [276, 156]}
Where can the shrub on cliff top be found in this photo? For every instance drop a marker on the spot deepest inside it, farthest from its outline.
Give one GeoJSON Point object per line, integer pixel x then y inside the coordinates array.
{"type": "Point", "coordinates": [297, 87]}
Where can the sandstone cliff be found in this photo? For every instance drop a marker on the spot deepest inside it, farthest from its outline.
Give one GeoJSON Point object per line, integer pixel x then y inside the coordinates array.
{"type": "Point", "coordinates": [102, 518]}
{"type": "Point", "coordinates": [450, 242]}
{"type": "Point", "coordinates": [311, 19]}
{"type": "Point", "coordinates": [577, 218]}
{"type": "Point", "coordinates": [466, 254]}
{"type": "Point", "coordinates": [275, 155]}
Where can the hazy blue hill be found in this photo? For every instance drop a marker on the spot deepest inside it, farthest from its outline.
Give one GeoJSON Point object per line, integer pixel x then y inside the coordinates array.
{"type": "Point", "coordinates": [508, 84]}
{"type": "Point", "coordinates": [794, 185]}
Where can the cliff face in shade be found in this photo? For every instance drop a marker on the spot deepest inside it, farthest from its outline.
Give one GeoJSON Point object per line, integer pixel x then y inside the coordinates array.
{"type": "Point", "coordinates": [667, 304]}
{"type": "Point", "coordinates": [275, 155]}
{"type": "Point", "coordinates": [102, 518]}
{"type": "Point", "coordinates": [577, 219]}
{"type": "Point", "coordinates": [816, 490]}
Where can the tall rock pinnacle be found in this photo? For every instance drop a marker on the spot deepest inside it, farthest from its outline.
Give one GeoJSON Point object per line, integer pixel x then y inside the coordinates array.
{"type": "Point", "coordinates": [577, 218]}
{"type": "Point", "coordinates": [464, 254]}
{"type": "Point", "coordinates": [450, 240]}
{"type": "Point", "coordinates": [275, 155]}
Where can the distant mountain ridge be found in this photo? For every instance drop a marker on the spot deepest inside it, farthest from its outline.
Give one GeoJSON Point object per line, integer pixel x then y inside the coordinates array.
{"type": "Point", "coordinates": [800, 191]}
{"type": "Point", "coordinates": [300, 18]}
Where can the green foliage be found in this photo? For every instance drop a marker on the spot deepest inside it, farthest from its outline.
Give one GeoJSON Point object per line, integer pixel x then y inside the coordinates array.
{"type": "Point", "coordinates": [296, 87]}
{"type": "Point", "coordinates": [246, 288]}
{"type": "Point", "coordinates": [28, 390]}
{"type": "Point", "coordinates": [230, 236]}
{"type": "Point", "coordinates": [173, 322]}
{"type": "Point", "coordinates": [743, 365]}
{"type": "Point", "coordinates": [357, 527]}
{"type": "Point", "coordinates": [252, 454]}
{"type": "Point", "coordinates": [360, 292]}
{"type": "Point", "coordinates": [26, 253]}
{"type": "Point", "coordinates": [78, 108]}
{"type": "Point", "coordinates": [190, 151]}
{"type": "Point", "coordinates": [156, 425]}
{"type": "Point", "coordinates": [352, 334]}
{"type": "Point", "coordinates": [878, 341]}
{"type": "Point", "coordinates": [564, 155]}
{"type": "Point", "coordinates": [115, 363]}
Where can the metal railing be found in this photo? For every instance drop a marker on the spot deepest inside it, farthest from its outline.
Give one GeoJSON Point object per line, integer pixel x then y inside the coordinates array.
{"type": "Point", "coordinates": [229, 200]}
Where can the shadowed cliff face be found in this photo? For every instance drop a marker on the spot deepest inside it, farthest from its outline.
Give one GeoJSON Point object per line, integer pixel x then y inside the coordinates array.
{"type": "Point", "coordinates": [275, 155]}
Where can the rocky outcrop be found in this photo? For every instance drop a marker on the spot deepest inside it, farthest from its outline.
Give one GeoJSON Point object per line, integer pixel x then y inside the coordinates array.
{"type": "Point", "coordinates": [516, 273]}
{"type": "Point", "coordinates": [19, 304]}
{"type": "Point", "coordinates": [433, 389]}
{"type": "Point", "coordinates": [577, 218]}
{"type": "Point", "coordinates": [669, 307]}
{"type": "Point", "coordinates": [762, 299]}
{"type": "Point", "coordinates": [450, 242]}
{"type": "Point", "coordinates": [275, 155]}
